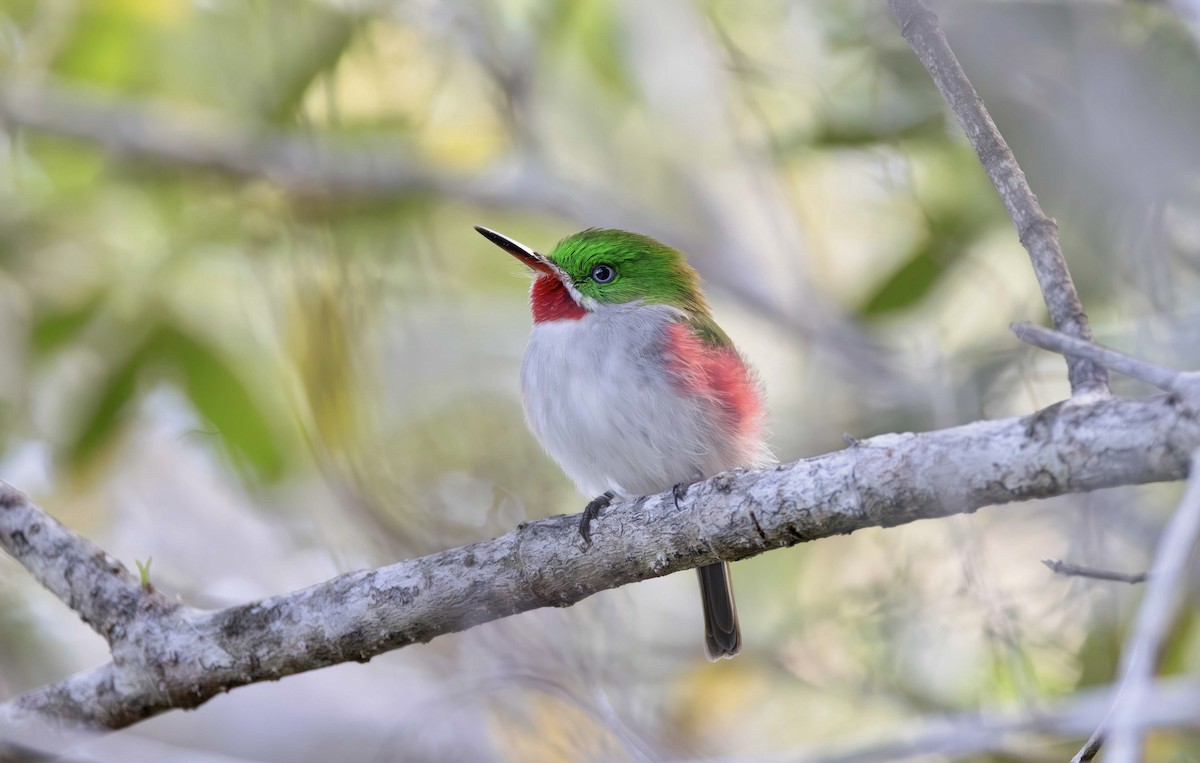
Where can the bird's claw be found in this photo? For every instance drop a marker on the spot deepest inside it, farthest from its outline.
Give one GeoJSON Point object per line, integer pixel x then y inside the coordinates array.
{"type": "Point", "coordinates": [679, 491]}
{"type": "Point", "coordinates": [592, 511]}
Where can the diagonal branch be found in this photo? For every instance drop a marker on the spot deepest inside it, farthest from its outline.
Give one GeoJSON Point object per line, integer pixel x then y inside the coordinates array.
{"type": "Point", "coordinates": [181, 658]}
{"type": "Point", "coordinates": [84, 576]}
{"type": "Point", "coordinates": [1038, 233]}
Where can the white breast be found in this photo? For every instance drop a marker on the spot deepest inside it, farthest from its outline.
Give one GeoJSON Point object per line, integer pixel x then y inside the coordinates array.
{"type": "Point", "coordinates": [599, 398]}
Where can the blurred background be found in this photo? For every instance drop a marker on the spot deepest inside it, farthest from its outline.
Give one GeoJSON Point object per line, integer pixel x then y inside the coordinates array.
{"type": "Point", "coordinates": [249, 337]}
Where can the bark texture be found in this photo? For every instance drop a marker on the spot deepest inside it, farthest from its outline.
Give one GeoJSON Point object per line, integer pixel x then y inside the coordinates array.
{"type": "Point", "coordinates": [166, 655]}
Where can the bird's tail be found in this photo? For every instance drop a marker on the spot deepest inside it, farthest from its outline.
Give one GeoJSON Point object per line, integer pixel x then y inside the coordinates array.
{"type": "Point", "coordinates": [722, 637]}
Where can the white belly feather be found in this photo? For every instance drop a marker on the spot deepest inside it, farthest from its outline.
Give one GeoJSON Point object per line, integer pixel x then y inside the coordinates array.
{"type": "Point", "coordinates": [600, 400]}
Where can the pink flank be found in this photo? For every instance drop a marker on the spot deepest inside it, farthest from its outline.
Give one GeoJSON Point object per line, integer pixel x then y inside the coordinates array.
{"type": "Point", "coordinates": [717, 373]}
{"type": "Point", "coordinates": [551, 301]}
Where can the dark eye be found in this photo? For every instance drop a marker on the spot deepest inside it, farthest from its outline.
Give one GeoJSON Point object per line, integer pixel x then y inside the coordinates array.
{"type": "Point", "coordinates": [604, 273]}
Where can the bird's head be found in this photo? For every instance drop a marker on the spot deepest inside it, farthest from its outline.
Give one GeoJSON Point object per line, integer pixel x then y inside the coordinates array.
{"type": "Point", "coordinates": [600, 268]}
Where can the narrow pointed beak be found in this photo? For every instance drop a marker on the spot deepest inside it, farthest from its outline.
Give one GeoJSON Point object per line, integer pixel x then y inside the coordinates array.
{"type": "Point", "coordinates": [533, 259]}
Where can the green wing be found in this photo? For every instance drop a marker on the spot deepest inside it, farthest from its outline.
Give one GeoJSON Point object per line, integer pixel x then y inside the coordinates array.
{"type": "Point", "coordinates": [708, 331]}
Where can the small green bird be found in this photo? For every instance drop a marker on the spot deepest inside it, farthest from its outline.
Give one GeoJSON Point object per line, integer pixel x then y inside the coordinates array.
{"type": "Point", "coordinates": [632, 387]}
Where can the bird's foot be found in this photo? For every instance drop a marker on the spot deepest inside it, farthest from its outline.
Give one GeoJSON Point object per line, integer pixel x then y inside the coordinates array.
{"type": "Point", "coordinates": [679, 491]}
{"type": "Point", "coordinates": [592, 511]}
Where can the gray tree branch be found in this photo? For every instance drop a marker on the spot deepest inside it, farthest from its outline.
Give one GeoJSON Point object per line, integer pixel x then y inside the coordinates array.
{"type": "Point", "coordinates": [81, 574]}
{"type": "Point", "coordinates": [298, 163]}
{"type": "Point", "coordinates": [319, 165]}
{"type": "Point", "coordinates": [1037, 232]}
{"type": "Point", "coordinates": [176, 657]}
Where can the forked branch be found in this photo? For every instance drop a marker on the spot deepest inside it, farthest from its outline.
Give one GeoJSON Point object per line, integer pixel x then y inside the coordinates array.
{"type": "Point", "coordinates": [1037, 232]}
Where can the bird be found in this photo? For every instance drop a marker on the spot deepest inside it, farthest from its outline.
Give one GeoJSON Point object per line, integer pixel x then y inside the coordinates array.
{"type": "Point", "coordinates": [632, 387]}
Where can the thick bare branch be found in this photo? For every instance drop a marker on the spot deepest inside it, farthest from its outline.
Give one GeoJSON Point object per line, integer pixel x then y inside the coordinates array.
{"type": "Point", "coordinates": [184, 657]}
{"type": "Point", "coordinates": [87, 579]}
{"type": "Point", "coordinates": [1143, 649]}
{"type": "Point", "coordinates": [1037, 232]}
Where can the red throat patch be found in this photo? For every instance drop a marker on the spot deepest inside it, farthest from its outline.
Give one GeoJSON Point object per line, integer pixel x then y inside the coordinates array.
{"type": "Point", "coordinates": [551, 301]}
{"type": "Point", "coordinates": [719, 374]}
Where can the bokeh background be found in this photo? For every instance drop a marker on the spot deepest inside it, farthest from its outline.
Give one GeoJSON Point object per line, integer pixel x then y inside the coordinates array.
{"type": "Point", "coordinates": [247, 332]}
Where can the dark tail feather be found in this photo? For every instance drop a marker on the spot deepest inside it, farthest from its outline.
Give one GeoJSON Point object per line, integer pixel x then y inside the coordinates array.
{"type": "Point", "coordinates": [722, 637]}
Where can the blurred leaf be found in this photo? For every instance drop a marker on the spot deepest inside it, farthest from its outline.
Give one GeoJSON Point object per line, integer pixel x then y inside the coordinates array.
{"type": "Point", "coordinates": [210, 383]}
{"type": "Point", "coordinates": [256, 58]}
{"type": "Point", "coordinates": [18, 11]}
{"type": "Point", "coordinates": [223, 400]}
{"type": "Point", "coordinates": [15, 15]}
{"type": "Point", "coordinates": [907, 285]}
{"type": "Point", "coordinates": [51, 330]}
{"type": "Point", "coordinates": [261, 58]}
{"type": "Point", "coordinates": [872, 130]}
{"type": "Point", "coordinates": [69, 165]}
{"type": "Point", "coordinates": [109, 408]}
{"type": "Point", "coordinates": [1099, 654]}
{"type": "Point", "coordinates": [841, 23]}
{"type": "Point", "coordinates": [115, 42]}
{"type": "Point", "coordinates": [1179, 651]}
{"type": "Point", "coordinates": [905, 71]}
{"type": "Point", "coordinates": [959, 206]}
{"type": "Point", "coordinates": [325, 362]}
{"type": "Point", "coordinates": [321, 45]}
{"type": "Point", "coordinates": [591, 26]}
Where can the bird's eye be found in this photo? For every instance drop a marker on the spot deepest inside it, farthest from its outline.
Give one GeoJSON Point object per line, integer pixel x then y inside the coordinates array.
{"type": "Point", "coordinates": [604, 273]}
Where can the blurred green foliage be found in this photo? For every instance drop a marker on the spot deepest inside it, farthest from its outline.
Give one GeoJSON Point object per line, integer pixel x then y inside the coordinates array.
{"type": "Point", "coordinates": [344, 361]}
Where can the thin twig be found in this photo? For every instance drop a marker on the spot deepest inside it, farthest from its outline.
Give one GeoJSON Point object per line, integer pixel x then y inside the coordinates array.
{"type": "Point", "coordinates": [1174, 703]}
{"type": "Point", "coordinates": [1143, 649]}
{"type": "Point", "coordinates": [1037, 232]}
{"type": "Point", "coordinates": [181, 658]}
{"type": "Point", "coordinates": [1075, 570]}
{"type": "Point", "coordinates": [1090, 748]}
{"type": "Point", "coordinates": [1056, 341]}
